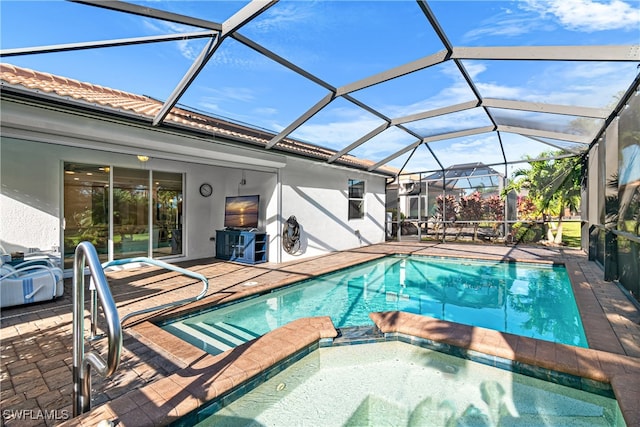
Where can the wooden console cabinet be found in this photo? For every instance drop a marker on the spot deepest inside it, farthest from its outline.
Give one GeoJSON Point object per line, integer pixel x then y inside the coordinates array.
{"type": "Point", "coordinates": [249, 247]}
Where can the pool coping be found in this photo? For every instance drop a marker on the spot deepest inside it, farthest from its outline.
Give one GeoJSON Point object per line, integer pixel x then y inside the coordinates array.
{"type": "Point", "coordinates": [597, 328]}
{"type": "Point", "coordinates": [363, 335]}
{"type": "Point", "coordinates": [205, 377]}
{"type": "Point", "coordinates": [621, 372]}
{"type": "Point", "coordinates": [176, 395]}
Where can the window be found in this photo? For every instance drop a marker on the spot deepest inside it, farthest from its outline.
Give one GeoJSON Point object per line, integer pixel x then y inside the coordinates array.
{"type": "Point", "coordinates": [141, 215]}
{"type": "Point", "coordinates": [413, 207]}
{"type": "Point", "coordinates": [356, 199]}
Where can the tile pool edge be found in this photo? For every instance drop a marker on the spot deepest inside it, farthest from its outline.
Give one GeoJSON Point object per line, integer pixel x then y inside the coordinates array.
{"type": "Point", "coordinates": [202, 328]}
{"type": "Point", "coordinates": [595, 327]}
{"type": "Point", "coordinates": [362, 335]}
{"type": "Point", "coordinates": [624, 380]}
{"type": "Point", "coordinates": [207, 377]}
{"type": "Point", "coordinates": [619, 371]}
{"type": "Point", "coordinates": [372, 334]}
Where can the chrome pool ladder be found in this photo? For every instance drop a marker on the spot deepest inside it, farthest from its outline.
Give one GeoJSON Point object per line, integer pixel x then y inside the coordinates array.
{"type": "Point", "coordinates": [83, 362]}
{"type": "Point", "coordinates": [99, 288]}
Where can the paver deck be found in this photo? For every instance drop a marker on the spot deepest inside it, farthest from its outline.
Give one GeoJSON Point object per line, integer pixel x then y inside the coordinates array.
{"type": "Point", "coordinates": [161, 378]}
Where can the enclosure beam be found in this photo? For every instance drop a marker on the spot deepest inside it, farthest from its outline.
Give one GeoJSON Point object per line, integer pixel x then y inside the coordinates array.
{"type": "Point", "coordinates": [280, 60]}
{"type": "Point", "coordinates": [104, 43]}
{"type": "Point", "coordinates": [436, 112]}
{"type": "Point", "coordinates": [394, 155]}
{"type": "Point", "coordinates": [539, 107]}
{"type": "Point", "coordinates": [360, 141]}
{"type": "Point", "coordinates": [626, 53]}
{"type": "Point", "coordinates": [545, 134]}
{"type": "Point", "coordinates": [302, 119]}
{"type": "Point", "coordinates": [393, 73]}
{"type": "Point", "coordinates": [579, 149]}
{"type": "Point", "coordinates": [149, 12]}
{"type": "Point", "coordinates": [239, 19]}
{"type": "Point", "coordinates": [458, 134]}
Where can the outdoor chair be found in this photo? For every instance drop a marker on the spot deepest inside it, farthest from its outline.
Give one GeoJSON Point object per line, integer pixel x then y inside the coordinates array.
{"type": "Point", "coordinates": [29, 282]}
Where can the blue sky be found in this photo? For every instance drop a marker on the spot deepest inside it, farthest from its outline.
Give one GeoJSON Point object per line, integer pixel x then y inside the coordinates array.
{"type": "Point", "coordinates": [342, 42]}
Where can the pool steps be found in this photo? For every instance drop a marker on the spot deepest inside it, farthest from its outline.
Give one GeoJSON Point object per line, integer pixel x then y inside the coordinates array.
{"type": "Point", "coordinates": [216, 338]}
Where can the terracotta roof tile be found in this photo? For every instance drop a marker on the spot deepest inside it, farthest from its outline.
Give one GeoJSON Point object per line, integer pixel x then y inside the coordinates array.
{"type": "Point", "coordinates": [148, 107]}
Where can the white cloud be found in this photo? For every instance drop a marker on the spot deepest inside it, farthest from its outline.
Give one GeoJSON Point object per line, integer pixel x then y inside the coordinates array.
{"type": "Point", "coordinates": [475, 143]}
{"type": "Point", "coordinates": [240, 94]}
{"type": "Point", "coordinates": [461, 120]}
{"type": "Point", "coordinates": [265, 111]}
{"type": "Point", "coordinates": [587, 84]}
{"type": "Point", "coordinates": [588, 15]}
{"type": "Point", "coordinates": [498, 26]}
{"type": "Point", "coordinates": [215, 98]}
{"type": "Point", "coordinates": [494, 90]}
{"type": "Point", "coordinates": [280, 18]}
{"type": "Point", "coordinates": [211, 107]}
{"type": "Point", "coordinates": [567, 83]}
{"type": "Point", "coordinates": [474, 68]}
{"type": "Point", "coordinates": [456, 92]}
{"type": "Point", "coordinates": [188, 48]}
{"type": "Point", "coordinates": [508, 23]}
{"type": "Point", "coordinates": [478, 148]}
{"type": "Point", "coordinates": [337, 134]}
{"type": "Point", "coordinates": [547, 15]}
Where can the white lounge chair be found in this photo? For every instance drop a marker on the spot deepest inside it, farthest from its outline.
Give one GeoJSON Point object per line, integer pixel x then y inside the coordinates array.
{"type": "Point", "coordinates": [29, 282]}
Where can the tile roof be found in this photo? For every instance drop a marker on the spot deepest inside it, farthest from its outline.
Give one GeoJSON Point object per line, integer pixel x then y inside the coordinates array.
{"type": "Point", "coordinates": [117, 101]}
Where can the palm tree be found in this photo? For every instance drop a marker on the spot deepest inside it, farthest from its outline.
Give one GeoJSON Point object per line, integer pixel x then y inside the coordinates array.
{"type": "Point", "coordinates": [553, 186]}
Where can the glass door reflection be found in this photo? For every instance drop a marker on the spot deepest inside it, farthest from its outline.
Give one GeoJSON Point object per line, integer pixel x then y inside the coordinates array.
{"type": "Point", "coordinates": [86, 209]}
{"type": "Point", "coordinates": [167, 215]}
{"type": "Point", "coordinates": [130, 213]}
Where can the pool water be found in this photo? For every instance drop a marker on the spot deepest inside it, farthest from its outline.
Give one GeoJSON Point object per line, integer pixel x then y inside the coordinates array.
{"type": "Point", "coordinates": [399, 384]}
{"type": "Point", "coordinates": [526, 299]}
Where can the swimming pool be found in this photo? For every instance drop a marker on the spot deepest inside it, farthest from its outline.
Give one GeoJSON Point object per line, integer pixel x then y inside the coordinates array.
{"type": "Point", "coordinates": [527, 299]}
{"type": "Point", "coordinates": [412, 386]}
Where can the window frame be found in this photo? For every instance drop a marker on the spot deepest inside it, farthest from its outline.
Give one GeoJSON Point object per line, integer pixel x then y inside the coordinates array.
{"type": "Point", "coordinates": [354, 201]}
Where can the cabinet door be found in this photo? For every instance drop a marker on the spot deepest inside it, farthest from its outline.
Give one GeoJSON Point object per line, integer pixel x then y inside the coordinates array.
{"type": "Point", "coordinates": [239, 246]}
{"type": "Point", "coordinates": [247, 246]}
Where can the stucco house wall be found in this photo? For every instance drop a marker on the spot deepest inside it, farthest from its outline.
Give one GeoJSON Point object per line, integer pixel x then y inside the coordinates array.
{"type": "Point", "coordinates": [317, 195]}
{"type": "Point", "coordinates": [36, 141]}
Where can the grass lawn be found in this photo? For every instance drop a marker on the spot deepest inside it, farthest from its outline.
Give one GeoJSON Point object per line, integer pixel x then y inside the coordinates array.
{"type": "Point", "coordinates": [571, 234]}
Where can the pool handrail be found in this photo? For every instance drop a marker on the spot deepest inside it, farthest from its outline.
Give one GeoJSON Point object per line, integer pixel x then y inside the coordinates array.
{"type": "Point", "coordinates": [99, 289]}
{"type": "Point", "coordinates": [82, 363]}
{"type": "Point", "coordinates": [158, 263]}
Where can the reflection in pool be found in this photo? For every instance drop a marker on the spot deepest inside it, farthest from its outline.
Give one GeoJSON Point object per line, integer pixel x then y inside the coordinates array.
{"type": "Point", "coordinates": [532, 300]}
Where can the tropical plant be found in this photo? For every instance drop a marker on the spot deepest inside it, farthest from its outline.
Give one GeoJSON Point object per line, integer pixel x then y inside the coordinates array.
{"type": "Point", "coordinates": [527, 209]}
{"type": "Point", "coordinates": [553, 186]}
{"type": "Point", "coordinates": [446, 211]}
{"type": "Point", "coordinates": [495, 211]}
{"type": "Point", "coordinates": [471, 209]}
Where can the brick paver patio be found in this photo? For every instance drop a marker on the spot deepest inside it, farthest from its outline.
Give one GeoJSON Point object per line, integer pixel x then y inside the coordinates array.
{"type": "Point", "coordinates": [161, 378]}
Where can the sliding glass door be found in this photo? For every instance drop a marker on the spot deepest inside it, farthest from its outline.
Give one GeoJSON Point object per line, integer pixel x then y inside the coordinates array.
{"type": "Point", "coordinates": [167, 214]}
{"type": "Point", "coordinates": [123, 212]}
{"type": "Point", "coordinates": [86, 209]}
{"type": "Point", "coordinates": [130, 213]}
